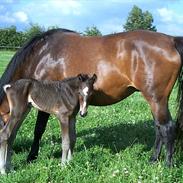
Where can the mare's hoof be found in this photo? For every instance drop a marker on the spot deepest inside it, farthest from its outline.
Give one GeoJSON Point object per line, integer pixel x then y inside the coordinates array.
{"type": "Point", "coordinates": [31, 158]}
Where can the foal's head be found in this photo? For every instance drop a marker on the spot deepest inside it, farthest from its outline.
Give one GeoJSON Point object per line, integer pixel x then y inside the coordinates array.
{"type": "Point", "coordinates": [85, 91]}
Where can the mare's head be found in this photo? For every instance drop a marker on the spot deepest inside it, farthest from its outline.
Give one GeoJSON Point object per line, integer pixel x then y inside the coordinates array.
{"type": "Point", "coordinates": [85, 92]}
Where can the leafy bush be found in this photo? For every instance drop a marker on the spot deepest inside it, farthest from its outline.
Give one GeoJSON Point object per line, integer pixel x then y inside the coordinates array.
{"type": "Point", "coordinates": [10, 37]}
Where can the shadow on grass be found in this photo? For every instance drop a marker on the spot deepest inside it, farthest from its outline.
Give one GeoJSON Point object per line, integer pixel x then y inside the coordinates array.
{"type": "Point", "coordinates": [117, 137]}
{"type": "Point", "coordinates": [114, 137]}
{"type": "Point", "coordinates": [22, 146]}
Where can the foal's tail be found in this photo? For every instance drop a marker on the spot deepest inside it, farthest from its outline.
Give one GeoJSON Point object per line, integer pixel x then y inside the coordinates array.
{"type": "Point", "coordinates": [19, 88]}
{"type": "Point", "coordinates": [179, 46]}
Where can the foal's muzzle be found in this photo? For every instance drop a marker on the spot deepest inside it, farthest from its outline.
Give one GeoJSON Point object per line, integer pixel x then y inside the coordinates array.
{"type": "Point", "coordinates": [83, 114]}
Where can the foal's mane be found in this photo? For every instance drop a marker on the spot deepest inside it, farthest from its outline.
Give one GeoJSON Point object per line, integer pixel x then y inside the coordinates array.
{"type": "Point", "coordinates": [20, 56]}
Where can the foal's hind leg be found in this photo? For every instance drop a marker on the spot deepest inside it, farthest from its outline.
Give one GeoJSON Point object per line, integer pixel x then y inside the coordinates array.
{"type": "Point", "coordinates": [7, 136]}
{"type": "Point", "coordinates": [41, 123]}
{"type": "Point", "coordinates": [165, 128]}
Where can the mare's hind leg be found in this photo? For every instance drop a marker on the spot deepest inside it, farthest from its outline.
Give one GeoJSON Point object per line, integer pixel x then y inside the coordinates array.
{"type": "Point", "coordinates": [157, 146]}
{"type": "Point", "coordinates": [165, 128]}
{"type": "Point", "coordinates": [40, 127]}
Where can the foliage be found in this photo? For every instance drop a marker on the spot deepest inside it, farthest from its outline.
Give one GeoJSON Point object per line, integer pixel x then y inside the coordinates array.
{"type": "Point", "coordinates": [10, 37]}
{"type": "Point", "coordinates": [138, 19]}
{"type": "Point", "coordinates": [33, 30]}
{"type": "Point", "coordinates": [92, 31]}
{"type": "Point", "coordinates": [113, 145]}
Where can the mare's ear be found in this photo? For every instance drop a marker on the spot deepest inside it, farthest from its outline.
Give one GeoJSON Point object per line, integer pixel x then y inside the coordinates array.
{"type": "Point", "coordinates": [94, 78]}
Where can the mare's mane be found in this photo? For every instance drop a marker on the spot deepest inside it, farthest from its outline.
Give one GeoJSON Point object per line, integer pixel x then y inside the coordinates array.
{"type": "Point", "coordinates": [20, 56]}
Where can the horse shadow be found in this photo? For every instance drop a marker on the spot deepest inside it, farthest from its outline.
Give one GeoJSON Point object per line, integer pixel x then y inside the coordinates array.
{"type": "Point", "coordinates": [116, 137]}
{"type": "Point", "coordinates": [120, 136]}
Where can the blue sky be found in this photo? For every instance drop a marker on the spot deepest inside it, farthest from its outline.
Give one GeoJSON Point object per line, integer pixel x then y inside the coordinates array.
{"type": "Point", "coordinates": [108, 15]}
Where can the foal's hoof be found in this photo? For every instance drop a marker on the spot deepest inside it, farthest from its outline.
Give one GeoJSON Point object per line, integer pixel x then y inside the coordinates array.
{"type": "Point", "coordinates": [3, 172]}
{"type": "Point", "coordinates": [169, 164]}
{"type": "Point", "coordinates": [153, 160]}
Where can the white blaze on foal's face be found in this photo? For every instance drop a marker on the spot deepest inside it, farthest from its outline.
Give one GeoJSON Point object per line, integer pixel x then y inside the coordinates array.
{"type": "Point", "coordinates": [83, 105]}
{"type": "Point", "coordinates": [85, 91]}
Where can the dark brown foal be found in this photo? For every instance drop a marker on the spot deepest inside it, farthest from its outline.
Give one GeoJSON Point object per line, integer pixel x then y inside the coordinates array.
{"type": "Point", "coordinates": [61, 98]}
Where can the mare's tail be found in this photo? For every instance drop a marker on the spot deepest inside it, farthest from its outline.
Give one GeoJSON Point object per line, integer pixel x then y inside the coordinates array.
{"type": "Point", "coordinates": [179, 46]}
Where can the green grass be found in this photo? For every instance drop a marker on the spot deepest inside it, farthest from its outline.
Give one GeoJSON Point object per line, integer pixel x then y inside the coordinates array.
{"type": "Point", "coordinates": [5, 57]}
{"type": "Point", "coordinates": [113, 145]}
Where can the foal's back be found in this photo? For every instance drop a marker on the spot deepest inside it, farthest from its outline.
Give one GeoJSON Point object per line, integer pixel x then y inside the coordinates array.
{"type": "Point", "coordinates": [53, 96]}
{"type": "Point", "coordinates": [49, 96]}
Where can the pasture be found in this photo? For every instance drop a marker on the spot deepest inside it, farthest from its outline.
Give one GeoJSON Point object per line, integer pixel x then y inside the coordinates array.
{"type": "Point", "coordinates": [113, 145]}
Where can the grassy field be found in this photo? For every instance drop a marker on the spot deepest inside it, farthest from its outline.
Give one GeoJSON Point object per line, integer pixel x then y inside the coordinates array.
{"type": "Point", "coordinates": [113, 145]}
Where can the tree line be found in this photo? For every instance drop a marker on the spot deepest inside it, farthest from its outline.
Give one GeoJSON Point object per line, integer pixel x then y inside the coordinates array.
{"type": "Point", "coordinates": [137, 19]}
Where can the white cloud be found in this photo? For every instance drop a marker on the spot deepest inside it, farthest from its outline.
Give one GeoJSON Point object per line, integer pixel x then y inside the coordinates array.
{"type": "Point", "coordinates": [21, 16]}
{"type": "Point", "coordinates": [60, 7]}
{"type": "Point", "coordinates": [166, 14]}
{"type": "Point", "coordinates": [170, 16]}
{"type": "Point", "coordinates": [67, 7]}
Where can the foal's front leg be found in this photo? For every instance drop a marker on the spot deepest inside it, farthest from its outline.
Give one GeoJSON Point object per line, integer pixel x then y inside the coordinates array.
{"type": "Point", "coordinates": [72, 136]}
{"type": "Point", "coordinates": [64, 122]}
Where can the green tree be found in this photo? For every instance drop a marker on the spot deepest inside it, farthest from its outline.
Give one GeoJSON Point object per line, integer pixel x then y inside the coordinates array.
{"type": "Point", "coordinates": [10, 37]}
{"type": "Point", "coordinates": [138, 19]}
{"type": "Point", "coordinates": [92, 31]}
{"type": "Point", "coordinates": [34, 30]}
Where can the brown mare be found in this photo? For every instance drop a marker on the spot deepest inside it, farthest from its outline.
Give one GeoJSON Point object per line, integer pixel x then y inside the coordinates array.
{"type": "Point", "coordinates": [126, 62]}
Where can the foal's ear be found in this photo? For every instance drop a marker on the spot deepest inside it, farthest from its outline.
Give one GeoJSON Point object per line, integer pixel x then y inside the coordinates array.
{"type": "Point", "coordinates": [80, 76]}
{"type": "Point", "coordinates": [94, 78]}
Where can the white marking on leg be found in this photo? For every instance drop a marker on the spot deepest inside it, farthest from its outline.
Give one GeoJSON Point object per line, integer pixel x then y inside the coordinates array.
{"type": "Point", "coordinates": [9, 98]}
{"type": "Point", "coordinates": [5, 87]}
{"type": "Point", "coordinates": [69, 157]}
{"type": "Point", "coordinates": [3, 156]}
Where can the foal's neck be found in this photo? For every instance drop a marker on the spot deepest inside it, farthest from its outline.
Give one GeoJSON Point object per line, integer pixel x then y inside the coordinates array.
{"type": "Point", "coordinates": [74, 83]}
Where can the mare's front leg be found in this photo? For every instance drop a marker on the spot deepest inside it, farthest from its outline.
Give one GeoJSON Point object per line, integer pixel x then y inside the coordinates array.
{"type": "Point", "coordinates": [40, 127]}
